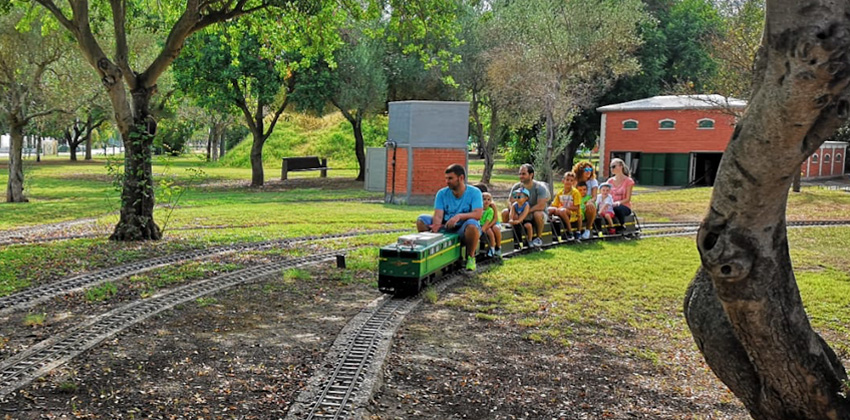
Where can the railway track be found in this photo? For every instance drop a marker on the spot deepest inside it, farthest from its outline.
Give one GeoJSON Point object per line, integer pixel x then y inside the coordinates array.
{"type": "Point", "coordinates": [33, 296]}
{"type": "Point", "coordinates": [20, 369]}
{"type": "Point", "coordinates": [340, 389]}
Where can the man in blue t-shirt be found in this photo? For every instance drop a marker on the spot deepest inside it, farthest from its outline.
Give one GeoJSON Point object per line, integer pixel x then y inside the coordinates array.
{"type": "Point", "coordinates": [457, 206]}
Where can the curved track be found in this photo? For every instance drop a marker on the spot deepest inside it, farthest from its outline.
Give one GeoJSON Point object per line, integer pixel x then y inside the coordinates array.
{"type": "Point", "coordinates": [351, 370]}
{"type": "Point", "coordinates": [39, 359]}
{"type": "Point", "coordinates": [33, 296]}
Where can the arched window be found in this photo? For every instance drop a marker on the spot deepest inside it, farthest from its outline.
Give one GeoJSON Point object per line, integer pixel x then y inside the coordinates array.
{"type": "Point", "coordinates": [630, 125]}
{"type": "Point", "coordinates": [705, 124]}
{"type": "Point", "coordinates": [667, 124]}
{"type": "Point", "coordinates": [815, 158]}
{"type": "Point", "coordinates": [838, 157]}
{"type": "Point", "coordinates": [826, 158]}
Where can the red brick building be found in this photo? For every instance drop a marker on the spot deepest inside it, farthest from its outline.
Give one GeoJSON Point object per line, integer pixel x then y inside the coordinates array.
{"type": "Point", "coordinates": [669, 140]}
{"type": "Point", "coordinates": [827, 162]}
{"type": "Point", "coordinates": [424, 138]}
{"type": "Point", "coordinates": [679, 140]}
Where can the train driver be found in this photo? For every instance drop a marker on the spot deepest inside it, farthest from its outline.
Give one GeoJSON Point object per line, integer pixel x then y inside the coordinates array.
{"type": "Point", "coordinates": [457, 208]}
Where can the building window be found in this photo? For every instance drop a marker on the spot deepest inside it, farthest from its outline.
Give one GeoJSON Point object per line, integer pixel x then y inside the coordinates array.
{"type": "Point", "coordinates": [705, 124]}
{"type": "Point", "coordinates": [838, 157]}
{"type": "Point", "coordinates": [667, 124]}
{"type": "Point", "coordinates": [826, 158]}
{"type": "Point", "coordinates": [630, 125]}
{"type": "Point", "coordinates": [815, 158]}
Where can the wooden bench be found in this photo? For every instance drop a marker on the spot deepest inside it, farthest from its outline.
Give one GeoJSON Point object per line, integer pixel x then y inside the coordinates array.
{"type": "Point", "coordinates": [306, 163]}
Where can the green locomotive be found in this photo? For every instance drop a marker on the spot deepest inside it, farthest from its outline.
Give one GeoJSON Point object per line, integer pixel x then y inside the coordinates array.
{"type": "Point", "coordinates": [416, 260]}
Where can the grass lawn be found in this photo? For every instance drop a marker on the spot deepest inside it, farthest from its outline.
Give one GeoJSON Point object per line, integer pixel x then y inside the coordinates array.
{"type": "Point", "coordinates": [603, 283]}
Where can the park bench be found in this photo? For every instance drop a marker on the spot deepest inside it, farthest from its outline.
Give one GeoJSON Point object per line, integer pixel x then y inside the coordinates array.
{"type": "Point", "coordinates": [305, 163]}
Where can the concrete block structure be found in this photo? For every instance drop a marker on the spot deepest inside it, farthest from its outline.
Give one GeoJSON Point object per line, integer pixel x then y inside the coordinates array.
{"type": "Point", "coordinates": [424, 137]}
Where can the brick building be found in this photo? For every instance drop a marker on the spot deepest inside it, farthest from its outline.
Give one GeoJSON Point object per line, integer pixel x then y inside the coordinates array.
{"type": "Point", "coordinates": [679, 140]}
{"type": "Point", "coordinates": [826, 162]}
{"type": "Point", "coordinates": [424, 138]}
{"type": "Point", "coordinates": [669, 140]}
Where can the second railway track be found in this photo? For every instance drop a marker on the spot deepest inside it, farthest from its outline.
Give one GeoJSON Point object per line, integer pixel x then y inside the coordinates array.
{"type": "Point", "coordinates": [39, 359]}
{"type": "Point", "coordinates": [33, 296]}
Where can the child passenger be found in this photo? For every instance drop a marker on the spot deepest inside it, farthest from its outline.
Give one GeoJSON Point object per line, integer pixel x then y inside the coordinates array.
{"type": "Point", "coordinates": [490, 226]}
{"type": "Point", "coordinates": [519, 211]}
{"type": "Point", "coordinates": [605, 204]}
{"type": "Point", "coordinates": [567, 206]}
{"type": "Point", "coordinates": [585, 198]}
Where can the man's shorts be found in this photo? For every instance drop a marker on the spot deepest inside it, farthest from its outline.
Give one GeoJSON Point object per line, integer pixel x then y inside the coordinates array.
{"type": "Point", "coordinates": [427, 219]}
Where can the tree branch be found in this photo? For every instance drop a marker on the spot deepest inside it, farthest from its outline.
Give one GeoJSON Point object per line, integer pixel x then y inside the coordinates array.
{"type": "Point", "coordinates": [30, 117]}
{"type": "Point", "coordinates": [57, 13]}
{"type": "Point", "coordinates": [122, 56]}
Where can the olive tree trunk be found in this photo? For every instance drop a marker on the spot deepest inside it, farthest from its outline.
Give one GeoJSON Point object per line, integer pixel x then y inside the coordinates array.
{"type": "Point", "coordinates": [359, 146]}
{"type": "Point", "coordinates": [743, 307]}
{"type": "Point", "coordinates": [137, 195]}
{"type": "Point", "coordinates": [15, 185]}
{"type": "Point", "coordinates": [491, 144]}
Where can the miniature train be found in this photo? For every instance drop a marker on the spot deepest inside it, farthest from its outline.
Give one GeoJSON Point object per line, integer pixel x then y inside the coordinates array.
{"type": "Point", "coordinates": [417, 260]}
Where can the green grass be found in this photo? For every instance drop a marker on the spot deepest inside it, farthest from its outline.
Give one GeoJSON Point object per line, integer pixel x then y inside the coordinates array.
{"type": "Point", "coordinates": [101, 292]}
{"type": "Point", "coordinates": [300, 135]}
{"type": "Point", "coordinates": [34, 320]}
{"type": "Point", "coordinates": [603, 285]}
{"type": "Point", "coordinates": [163, 277]}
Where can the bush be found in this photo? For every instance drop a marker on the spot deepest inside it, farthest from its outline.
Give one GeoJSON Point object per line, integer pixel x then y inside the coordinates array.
{"type": "Point", "coordinates": [172, 136]}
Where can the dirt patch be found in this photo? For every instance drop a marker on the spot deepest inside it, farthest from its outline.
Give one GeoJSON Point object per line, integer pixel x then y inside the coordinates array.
{"type": "Point", "coordinates": [448, 364]}
{"type": "Point", "coordinates": [244, 353]}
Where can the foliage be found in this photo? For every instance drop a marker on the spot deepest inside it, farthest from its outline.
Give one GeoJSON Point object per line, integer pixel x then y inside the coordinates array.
{"type": "Point", "coordinates": [553, 58]}
{"type": "Point", "coordinates": [234, 135]}
{"type": "Point", "coordinates": [328, 136]}
{"type": "Point", "coordinates": [172, 136]}
{"type": "Point", "coordinates": [734, 48]}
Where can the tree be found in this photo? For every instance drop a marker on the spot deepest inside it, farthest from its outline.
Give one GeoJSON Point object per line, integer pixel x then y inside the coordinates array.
{"type": "Point", "coordinates": [220, 76]}
{"type": "Point", "coordinates": [552, 57]}
{"type": "Point", "coordinates": [356, 85]}
{"type": "Point", "coordinates": [743, 306]}
{"type": "Point", "coordinates": [471, 76]}
{"type": "Point", "coordinates": [734, 46]}
{"type": "Point", "coordinates": [25, 60]}
{"type": "Point", "coordinates": [80, 130]}
{"type": "Point", "coordinates": [133, 117]}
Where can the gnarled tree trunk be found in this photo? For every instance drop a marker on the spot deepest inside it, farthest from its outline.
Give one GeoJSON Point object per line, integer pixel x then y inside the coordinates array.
{"type": "Point", "coordinates": [15, 185]}
{"type": "Point", "coordinates": [137, 195]}
{"type": "Point", "coordinates": [359, 146]}
{"type": "Point", "coordinates": [743, 307]}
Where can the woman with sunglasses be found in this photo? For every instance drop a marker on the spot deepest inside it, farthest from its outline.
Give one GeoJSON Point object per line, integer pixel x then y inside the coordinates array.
{"type": "Point", "coordinates": [584, 172]}
{"type": "Point", "coordinates": [621, 188]}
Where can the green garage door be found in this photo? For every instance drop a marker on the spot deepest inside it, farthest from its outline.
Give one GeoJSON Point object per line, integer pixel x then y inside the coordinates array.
{"type": "Point", "coordinates": [652, 166]}
{"type": "Point", "coordinates": [676, 169]}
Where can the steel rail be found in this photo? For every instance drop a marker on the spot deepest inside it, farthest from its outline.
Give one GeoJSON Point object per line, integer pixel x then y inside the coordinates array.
{"type": "Point", "coordinates": [340, 389]}
{"type": "Point", "coordinates": [22, 368]}
{"type": "Point", "coordinates": [33, 296]}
